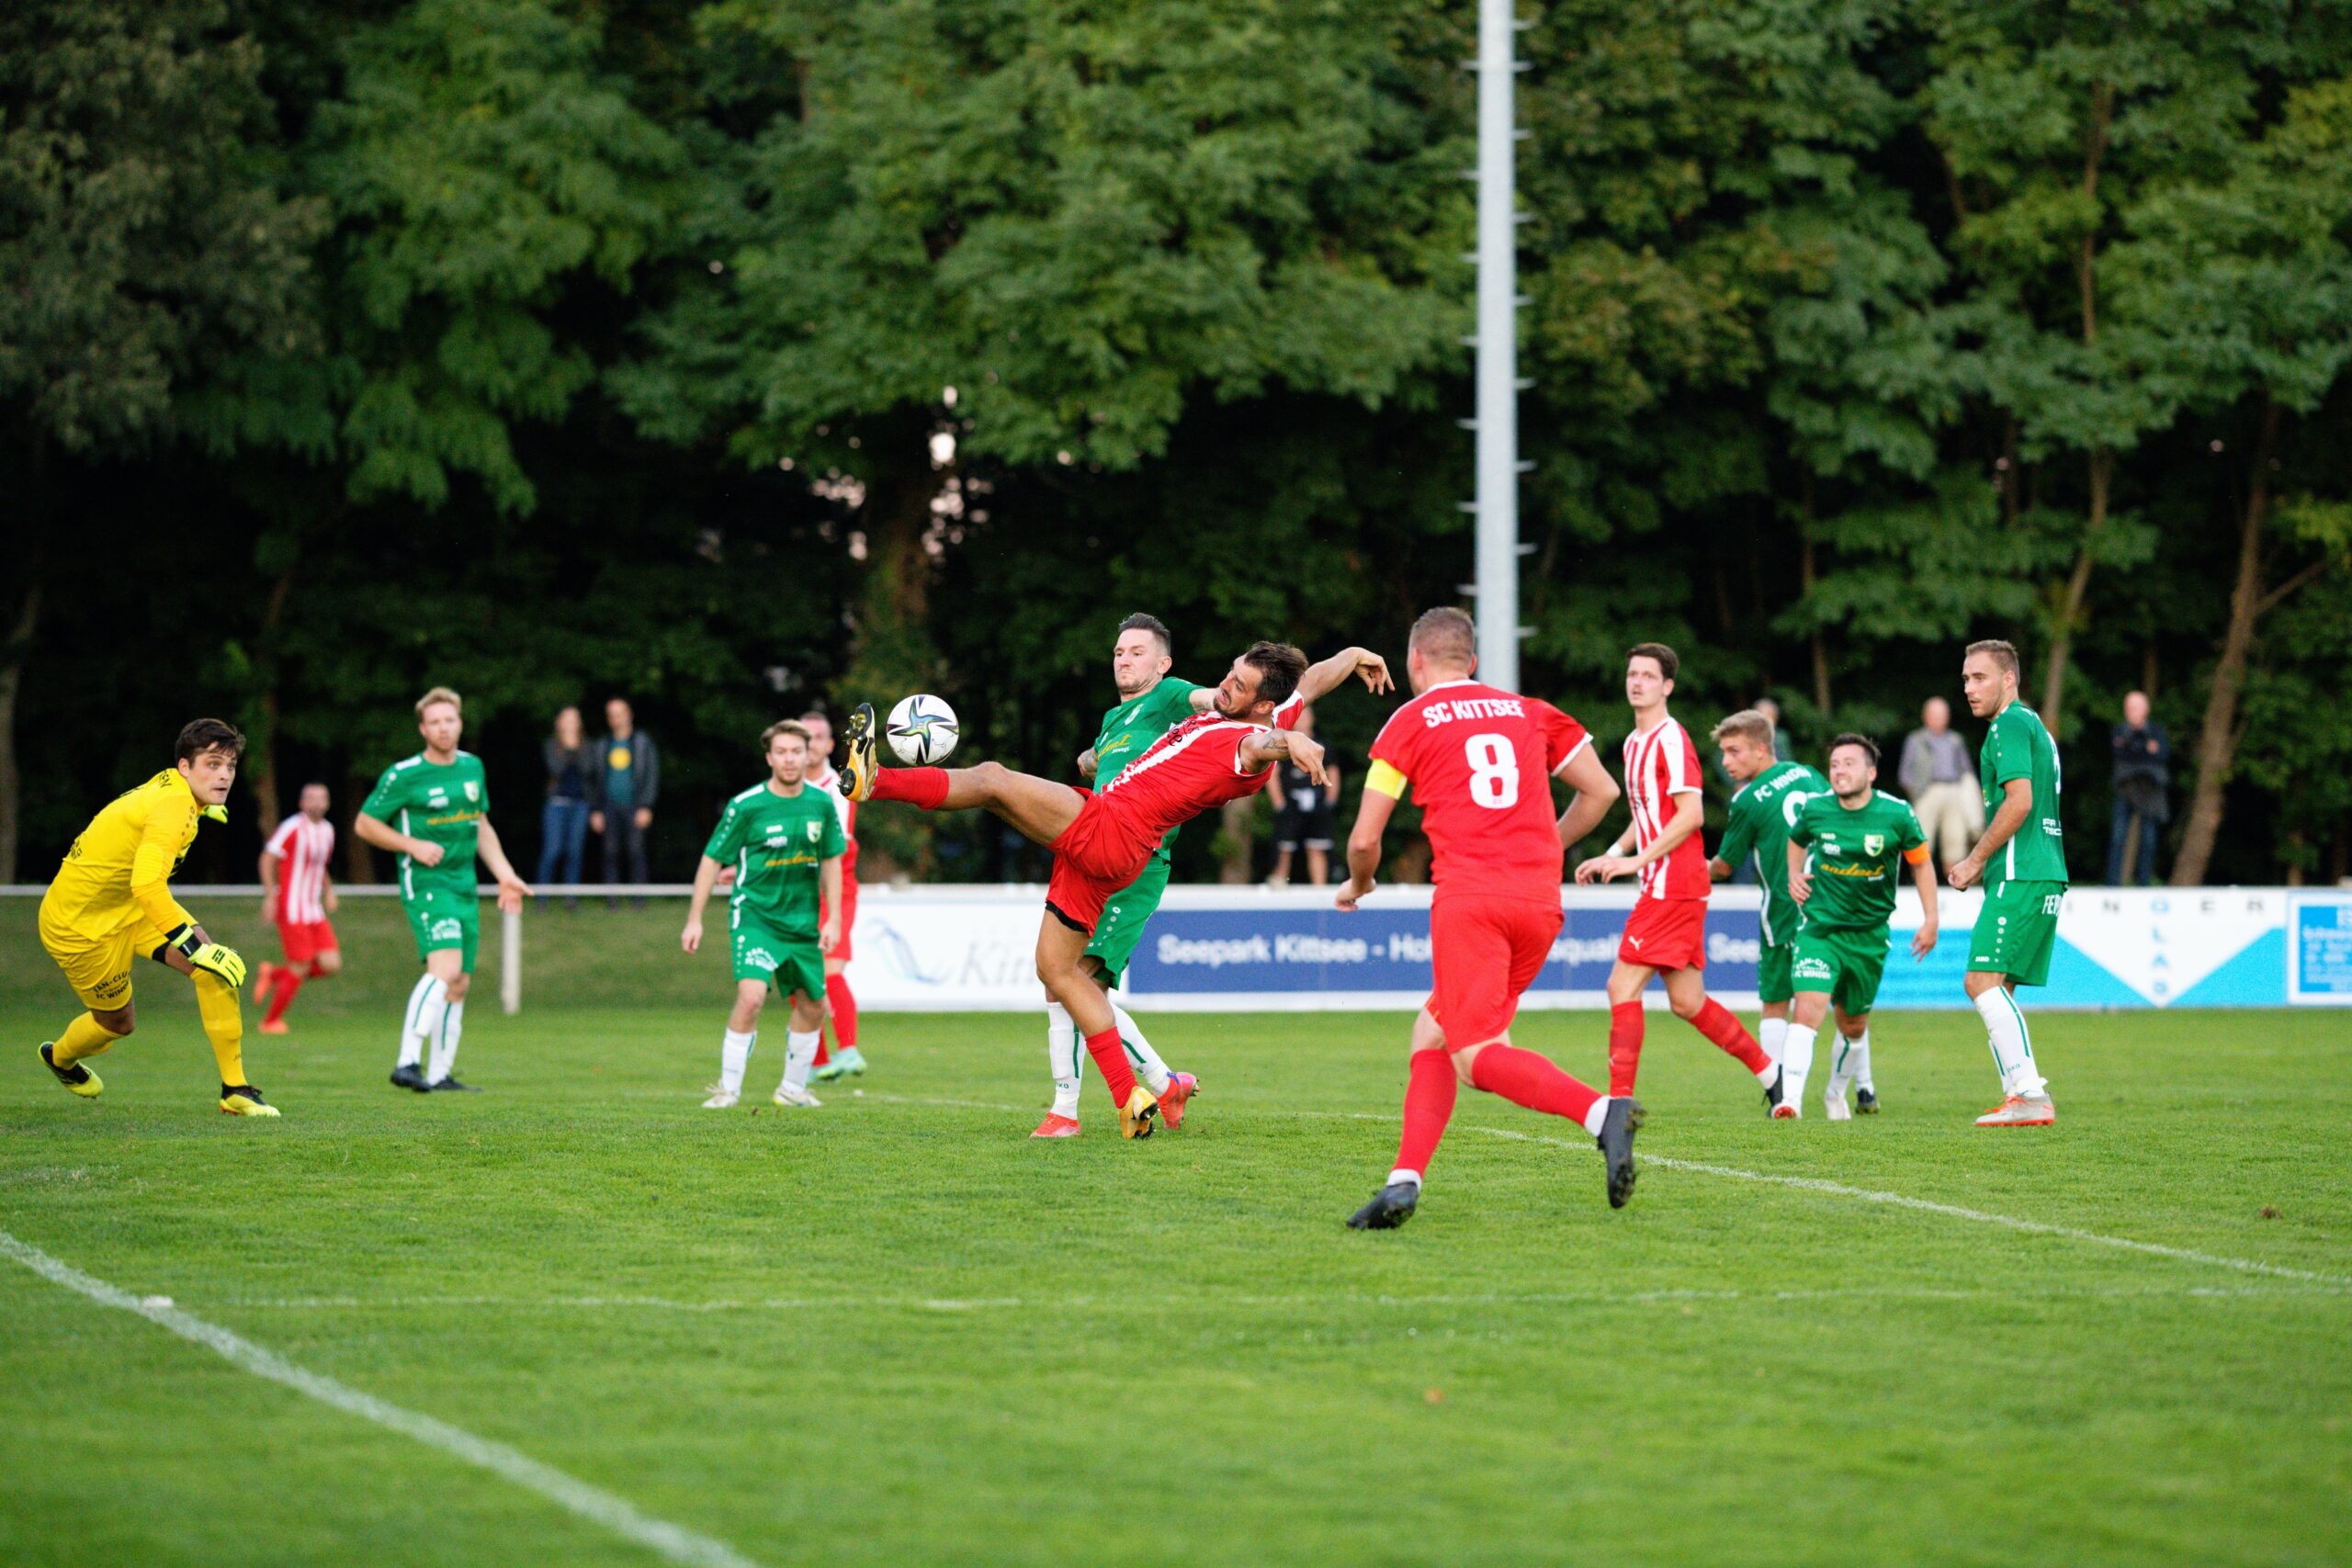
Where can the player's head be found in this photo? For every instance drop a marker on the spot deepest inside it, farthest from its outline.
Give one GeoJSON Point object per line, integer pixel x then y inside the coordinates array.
{"type": "Point", "coordinates": [619, 717]}
{"type": "Point", "coordinates": [1649, 674]}
{"type": "Point", "coordinates": [1444, 647]}
{"type": "Point", "coordinates": [1936, 714]}
{"type": "Point", "coordinates": [567, 725]}
{"type": "Point", "coordinates": [1143, 653]}
{"type": "Point", "coordinates": [314, 801]}
{"type": "Point", "coordinates": [1746, 740]}
{"type": "Point", "coordinates": [1853, 765]}
{"type": "Point", "coordinates": [2135, 708]}
{"type": "Point", "coordinates": [1988, 676]}
{"type": "Point", "coordinates": [440, 718]}
{"type": "Point", "coordinates": [784, 744]}
{"type": "Point", "coordinates": [820, 737]}
{"type": "Point", "coordinates": [207, 757]}
{"type": "Point", "coordinates": [1261, 680]}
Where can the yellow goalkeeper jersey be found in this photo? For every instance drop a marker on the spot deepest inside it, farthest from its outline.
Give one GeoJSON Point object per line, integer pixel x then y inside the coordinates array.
{"type": "Point", "coordinates": [118, 871]}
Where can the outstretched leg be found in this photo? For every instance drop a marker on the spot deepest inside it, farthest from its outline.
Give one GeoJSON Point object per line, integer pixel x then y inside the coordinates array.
{"type": "Point", "coordinates": [1038, 809]}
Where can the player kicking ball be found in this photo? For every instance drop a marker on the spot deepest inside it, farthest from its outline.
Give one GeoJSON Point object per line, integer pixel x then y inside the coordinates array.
{"type": "Point", "coordinates": [2021, 861]}
{"type": "Point", "coordinates": [440, 799]}
{"type": "Point", "coordinates": [111, 901]}
{"type": "Point", "coordinates": [298, 897]}
{"type": "Point", "coordinates": [1770, 795]}
{"type": "Point", "coordinates": [1477, 759]}
{"type": "Point", "coordinates": [1845, 855]}
{"type": "Point", "coordinates": [1102, 838]}
{"type": "Point", "coordinates": [1666, 932]}
{"type": "Point", "coordinates": [786, 842]}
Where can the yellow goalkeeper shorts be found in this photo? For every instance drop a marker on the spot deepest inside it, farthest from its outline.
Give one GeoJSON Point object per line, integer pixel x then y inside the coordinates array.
{"type": "Point", "coordinates": [97, 964]}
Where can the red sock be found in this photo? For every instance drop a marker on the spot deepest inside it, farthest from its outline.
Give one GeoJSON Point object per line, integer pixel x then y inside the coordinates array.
{"type": "Point", "coordinates": [1716, 1022]}
{"type": "Point", "coordinates": [1110, 1059]}
{"type": "Point", "coordinates": [1525, 1078]}
{"type": "Point", "coordinates": [284, 980]}
{"type": "Point", "coordinates": [823, 1054]}
{"type": "Point", "coordinates": [925, 787]}
{"type": "Point", "coordinates": [1429, 1105]}
{"type": "Point", "coordinates": [837, 992]}
{"type": "Point", "coordinates": [1624, 1046]}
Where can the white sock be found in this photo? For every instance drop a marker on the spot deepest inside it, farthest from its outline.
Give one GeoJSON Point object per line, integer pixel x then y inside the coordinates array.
{"type": "Point", "coordinates": [1796, 1062]}
{"type": "Point", "coordinates": [1148, 1066]}
{"type": "Point", "coordinates": [800, 1056]}
{"type": "Point", "coordinates": [734, 1055]}
{"type": "Point", "coordinates": [2005, 1031]}
{"type": "Point", "coordinates": [414, 1026]}
{"type": "Point", "coordinates": [445, 1040]}
{"type": "Point", "coordinates": [1397, 1176]}
{"type": "Point", "coordinates": [1770, 1034]}
{"type": "Point", "coordinates": [1596, 1115]}
{"type": "Point", "coordinates": [1063, 1059]}
{"type": "Point", "coordinates": [1849, 1059]}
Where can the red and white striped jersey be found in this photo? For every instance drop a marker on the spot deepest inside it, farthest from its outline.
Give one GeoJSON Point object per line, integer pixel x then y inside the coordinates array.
{"type": "Point", "coordinates": [1661, 763]}
{"type": "Point", "coordinates": [303, 847]}
{"type": "Point", "coordinates": [828, 779]}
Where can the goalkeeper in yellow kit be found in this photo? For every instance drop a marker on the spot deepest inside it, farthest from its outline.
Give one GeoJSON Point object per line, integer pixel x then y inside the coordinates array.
{"type": "Point", "coordinates": [111, 904]}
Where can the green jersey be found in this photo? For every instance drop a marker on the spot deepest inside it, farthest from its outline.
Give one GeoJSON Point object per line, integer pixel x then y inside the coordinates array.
{"type": "Point", "coordinates": [778, 844]}
{"type": "Point", "coordinates": [1856, 858]}
{"type": "Point", "coordinates": [2018, 746]}
{"type": "Point", "coordinates": [1761, 814]}
{"type": "Point", "coordinates": [442, 802]}
{"type": "Point", "coordinates": [1130, 727]}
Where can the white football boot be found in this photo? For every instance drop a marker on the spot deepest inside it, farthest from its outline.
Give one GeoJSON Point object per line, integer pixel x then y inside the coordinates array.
{"type": "Point", "coordinates": [793, 1095]}
{"type": "Point", "coordinates": [721, 1099]}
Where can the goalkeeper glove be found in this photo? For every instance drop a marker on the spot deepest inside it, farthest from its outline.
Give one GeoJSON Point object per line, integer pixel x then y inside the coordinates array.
{"type": "Point", "coordinates": [209, 956]}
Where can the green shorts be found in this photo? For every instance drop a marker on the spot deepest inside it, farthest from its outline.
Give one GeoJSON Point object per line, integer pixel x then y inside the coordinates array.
{"type": "Point", "coordinates": [793, 962]}
{"type": "Point", "coordinates": [1120, 930]}
{"type": "Point", "coordinates": [1847, 964]}
{"type": "Point", "coordinates": [1772, 972]}
{"type": "Point", "coordinates": [2016, 930]}
{"type": "Point", "coordinates": [443, 919]}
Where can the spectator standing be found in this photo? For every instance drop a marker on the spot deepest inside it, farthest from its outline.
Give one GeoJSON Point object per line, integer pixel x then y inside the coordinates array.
{"type": "Point", "coordinates": [2143, 775]}
{"type": "Point", "coordinates": [1940, 777]}
{"type": "Point", "coordinates": [624, 782]}
{"type": "Point", "coordinates": [1781, 750]}
{"type": "Point", "coordinates": [1304, 813]}
{"type": "Point", "coordinates": [563, 820]}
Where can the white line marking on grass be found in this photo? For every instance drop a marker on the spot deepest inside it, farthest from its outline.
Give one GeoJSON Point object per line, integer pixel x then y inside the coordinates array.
{"type": "Point", "coordinates": [673, 1542]}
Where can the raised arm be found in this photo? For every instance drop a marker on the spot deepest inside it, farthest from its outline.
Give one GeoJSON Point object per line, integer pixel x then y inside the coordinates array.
{"type": "Point", "coordinates": [1258, 750]}
{"type": "Point", "coordinates": [1324, 678]}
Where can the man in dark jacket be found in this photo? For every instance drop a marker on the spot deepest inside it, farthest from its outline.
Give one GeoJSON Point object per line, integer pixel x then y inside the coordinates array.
{"type": "Point", "coordinates": [624, 781]}
{"type": "Point", "coordinates": [2143, 774]}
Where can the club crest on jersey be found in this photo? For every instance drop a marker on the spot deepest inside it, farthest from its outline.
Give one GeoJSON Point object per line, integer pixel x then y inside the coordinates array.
{"type": "Point", "coordinates": [1874, 843]}
{"type": "Point", "coordinates": [473, 789]}
{"type": "Point", "coordinates": [816, 831]}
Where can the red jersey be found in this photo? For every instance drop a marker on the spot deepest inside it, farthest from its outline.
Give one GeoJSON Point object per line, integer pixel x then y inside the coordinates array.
{"type": "Point", "coordinates": [829, 780]}
{"type": "Point", "coordinates": [1661, 763]}
{"type": "Point", "coordinates": [1476, 758]}
{"type": "Point", "coordinates": [1195, 767]}
{"type": "Point", "coordinates": [304, 847]}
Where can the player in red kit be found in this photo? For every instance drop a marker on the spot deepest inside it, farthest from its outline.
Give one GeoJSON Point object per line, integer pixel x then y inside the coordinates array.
{"type": "Point", "coordinates": [1102, 838]}
{"type": "Point", "coordinates": [1477, 759]}
{"type": "Point", "coordinates": [297, 893]}
{"type": "Point", "coordinates": [1666, 932]}
{"type": "Point", "coordinates": [840, 1003]}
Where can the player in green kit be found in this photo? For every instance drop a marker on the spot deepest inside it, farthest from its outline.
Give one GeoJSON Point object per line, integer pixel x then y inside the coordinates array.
{"type": "Point", "coordinates": [433, 810]}
{"type": "Point", "coordinates": [1770, 794]}
{"type": "Point", "coordinates": [786, 842]}
{"type": "Point", "coordinates": [1842, 868]}
{"type": "Point", "coordinates": [1151, 702]}
{"type": "Point", "coordinates": [2021, 861]}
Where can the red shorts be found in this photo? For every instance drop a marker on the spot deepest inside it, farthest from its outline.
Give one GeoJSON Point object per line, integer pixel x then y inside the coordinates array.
{"type": "Point", "coordinates": [849, 915]}
{"type": "Point", "coordinates": [305, 939]}
{"type": "Point", "coordinates": [1093, 860]}
{"type": "Point", "coordinates": [1486, 952]}
{"type": "Point", "coordinates": [1667, 933]}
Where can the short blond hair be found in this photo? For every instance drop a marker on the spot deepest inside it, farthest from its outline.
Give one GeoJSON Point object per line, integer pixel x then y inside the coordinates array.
{"type": "Point", "coordinates": [440, 694]}
{"type": "Point", "coordinates": [784, 727]}
{"type": "Point", "coordinates": [1748, 724]}
{"type": "Point", "coordinates": [2004, 654]}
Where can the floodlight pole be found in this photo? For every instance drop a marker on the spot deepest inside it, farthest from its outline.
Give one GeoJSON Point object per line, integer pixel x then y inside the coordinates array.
{"type": "Point", "coordinates": [1497, 506]}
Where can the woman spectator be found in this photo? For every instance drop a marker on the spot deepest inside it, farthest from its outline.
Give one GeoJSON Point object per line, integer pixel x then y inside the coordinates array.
{"type": "Point", "coordinates": [563, 823]}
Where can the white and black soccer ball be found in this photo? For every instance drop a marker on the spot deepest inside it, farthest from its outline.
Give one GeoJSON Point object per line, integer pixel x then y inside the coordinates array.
{"type": "Point", "coordinates": [923, 730]}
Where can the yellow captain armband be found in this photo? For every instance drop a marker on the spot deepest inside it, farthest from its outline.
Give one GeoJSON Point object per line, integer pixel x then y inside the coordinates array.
{"type": "Point", "coordinates": [1382, 778]}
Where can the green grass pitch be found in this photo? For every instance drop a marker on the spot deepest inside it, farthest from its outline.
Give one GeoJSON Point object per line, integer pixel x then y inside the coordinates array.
{"type": "Point", "coordinates": [895, 1330]}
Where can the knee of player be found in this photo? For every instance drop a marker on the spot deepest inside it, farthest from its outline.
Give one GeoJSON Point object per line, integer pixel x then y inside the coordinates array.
{"type": "Point", "coordinates": [1465, 1063]}
{"type": "Point", "coordinates": [327, 963]}
{"type": "Point", "coordinates": [1689, 1006]}
{"type": "Point", "coordinates": [120, 1022]}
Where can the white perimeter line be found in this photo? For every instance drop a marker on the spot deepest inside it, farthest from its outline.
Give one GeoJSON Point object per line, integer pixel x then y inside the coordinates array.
{"type": "Point", "coordinates": [1828, 1188]}
{"type": "Point", "coordinates": [673, 1542]}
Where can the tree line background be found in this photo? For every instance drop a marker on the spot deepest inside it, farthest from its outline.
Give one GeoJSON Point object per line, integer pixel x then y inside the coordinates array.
{"type": "Point", "coordinates": [739, 356]}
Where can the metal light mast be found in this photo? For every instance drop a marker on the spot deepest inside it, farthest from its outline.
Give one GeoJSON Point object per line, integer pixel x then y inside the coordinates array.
{"type": "Point", "coordinates": [1497, 506]}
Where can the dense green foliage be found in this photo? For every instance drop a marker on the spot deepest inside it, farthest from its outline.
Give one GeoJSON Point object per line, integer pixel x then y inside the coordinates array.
{"type": "Point", "coordinates": [740, 356]}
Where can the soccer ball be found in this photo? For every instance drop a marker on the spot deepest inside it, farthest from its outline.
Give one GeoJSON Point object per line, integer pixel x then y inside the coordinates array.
{"type": "Point", "coordinates": [923, 730]}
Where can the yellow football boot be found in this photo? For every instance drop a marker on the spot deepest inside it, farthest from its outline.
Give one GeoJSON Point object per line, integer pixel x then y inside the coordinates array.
{"type": "Point", "coordinates": [1135, 1117]}
{"type": "Point", "coordinates": [73, 1075]}
{"type": "Point", "coordinates": [244, 1100]}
